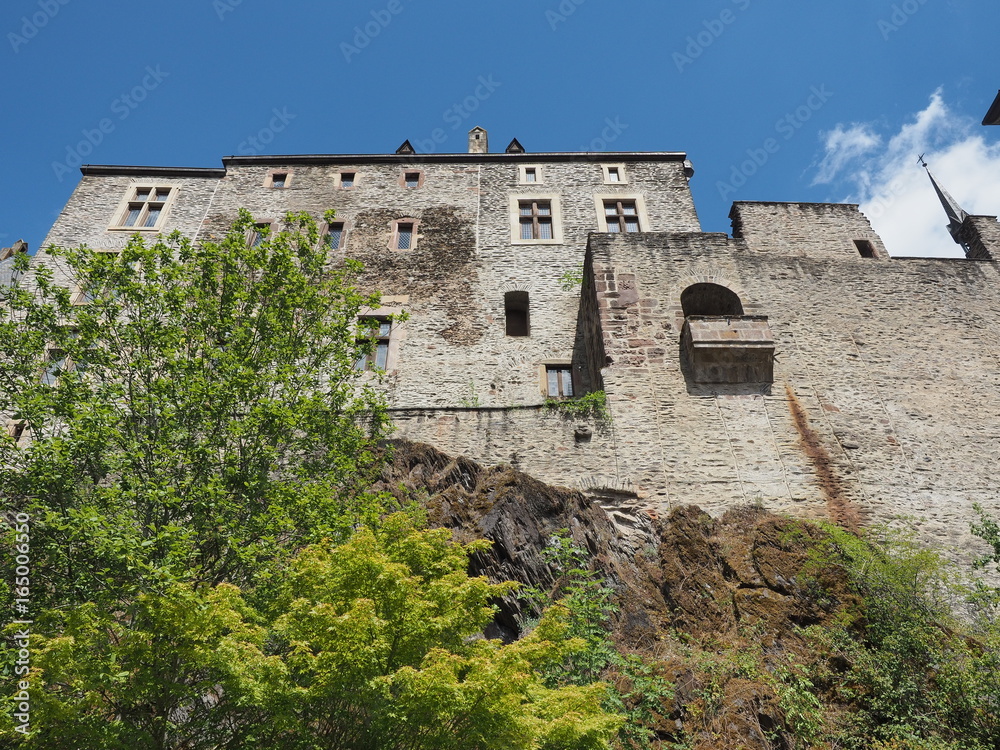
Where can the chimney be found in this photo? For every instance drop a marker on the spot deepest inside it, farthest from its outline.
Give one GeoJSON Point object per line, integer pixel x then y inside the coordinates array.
{"type": "Point", "coordinates": [478, 142]}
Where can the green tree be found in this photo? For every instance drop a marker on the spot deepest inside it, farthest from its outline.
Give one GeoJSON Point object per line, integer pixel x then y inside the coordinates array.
{"type": "Point", "coordinates": [200, 413]}
{"type": "Point", "coordinates": [374, 643]}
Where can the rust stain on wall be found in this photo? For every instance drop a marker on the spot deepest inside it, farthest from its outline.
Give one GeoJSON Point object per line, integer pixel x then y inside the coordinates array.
{"type": "Point", "coordinates": [840, 508]}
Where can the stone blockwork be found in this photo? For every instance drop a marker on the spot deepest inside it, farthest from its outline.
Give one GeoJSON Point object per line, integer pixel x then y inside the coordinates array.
{"type": "Point", "coordinates": [881, 398]}
{"type": "Point", "coordinates": [886, 383]}
{"type": "Point", "coordinates": [814, 230]}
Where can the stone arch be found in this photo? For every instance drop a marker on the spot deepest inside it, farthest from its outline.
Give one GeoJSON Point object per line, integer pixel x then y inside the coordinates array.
{"type": "Point", "coordinates": [711, 277]}
{"type": "Point", "coordinates": [705, 298]}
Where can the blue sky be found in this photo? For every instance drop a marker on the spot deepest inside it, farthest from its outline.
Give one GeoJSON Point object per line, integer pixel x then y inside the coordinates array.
{"type": "Point", "coordinates": [776, 100]}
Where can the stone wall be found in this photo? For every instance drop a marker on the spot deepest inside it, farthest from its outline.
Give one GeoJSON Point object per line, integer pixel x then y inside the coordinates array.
{"type": "Point", "coordinates": [885, 396]}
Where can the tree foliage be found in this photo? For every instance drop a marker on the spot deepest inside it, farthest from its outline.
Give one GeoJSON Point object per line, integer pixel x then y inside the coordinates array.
{"type": "Point", "coordinates": [200, 412]}
{"type": "Point", "coordinates": [373, 643]}
{"type": "Point", "coordinates": [208, 568]}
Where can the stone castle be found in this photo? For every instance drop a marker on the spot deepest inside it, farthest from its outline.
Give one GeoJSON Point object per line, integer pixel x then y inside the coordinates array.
{"type": "Point", "coordinates": [792, 364]}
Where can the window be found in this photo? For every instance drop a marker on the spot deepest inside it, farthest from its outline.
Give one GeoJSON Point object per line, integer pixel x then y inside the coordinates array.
{"type": "Point", "coordinates": [865, 248]}
{"type": "Point", "coordinates": [558, 381]}
{"type": "Point", "coordinates": [535, 220]}
{"type": "Point", "coordinates": [56, 364]}
{"type": "Point", "coordinates": [335, 236]}
{"type": "Point", "coordinates": [412, 179]}
{"type": "Point", "coordinates": [621, 213]}
{"type": "Point", "coordinates": [530, 174]}
{"type": "Point", "coordinates": [621, 216]}
{"type": "Point", "coordinates": [376, 339]}
{"type": "Point", "coordinates": [404, 234]}
{"type": "Point", "coordinates": [259, 233]}
{"type": "Point", "coordinates": [346, 179]}
{"type": "Point", "coordinates": [614, 174]}
{"type": "Point", "coordinates": [278, 179]}
{"type": "Point", "coordinates": [516, 313]}
{"type": "Point", "coordinates": [144, 208]}
{"type": "Point", "coordinates": [17, 429]}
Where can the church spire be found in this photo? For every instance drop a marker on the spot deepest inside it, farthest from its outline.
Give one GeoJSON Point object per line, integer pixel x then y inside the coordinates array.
{"type": "Point", "coordinates": [956, 214]}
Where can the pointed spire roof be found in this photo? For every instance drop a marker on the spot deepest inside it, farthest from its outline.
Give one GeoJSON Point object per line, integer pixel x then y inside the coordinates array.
{"type": "Point", "coordinates": [956, 214]}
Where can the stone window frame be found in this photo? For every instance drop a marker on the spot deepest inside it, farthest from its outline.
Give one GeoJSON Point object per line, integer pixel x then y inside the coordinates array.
{"type": "Point", "coordinates": [622, 174]}
{"type": "Point", "coordinates": [253, 235]}
{"type": "Point", "coordinates": [269, 179]}
{"type": "Point", "coordinates": [17, 430]}
{"type": "Point", "coordinates": [640, 209]}
{"type": "Point", "coordinates": [338, 179]}
{"type": "Point", "coordinates": [346, 226]}
{"type": "Point", "coordinates": [394, 233]}
{"type": "Point", "coordinates": [560, 365]}
{"type": "Point", "coordinates": [391, 309]}
{"type": "Point", "coordinates": [522, 174]}
{"type": "Point", "coordinates": [402, 181]}
{"type": "Point", "coordinates": [555, 205]}
{"type": "Point", "coordinates": [131, 200]}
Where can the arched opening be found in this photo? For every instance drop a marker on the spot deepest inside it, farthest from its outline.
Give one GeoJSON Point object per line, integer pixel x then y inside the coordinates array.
{"type": "Point", "coordinates": [516, 313]}
{"type": "Point", "coordinates": [710, 299]}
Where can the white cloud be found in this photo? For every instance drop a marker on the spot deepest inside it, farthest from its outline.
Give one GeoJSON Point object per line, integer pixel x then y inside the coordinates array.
{"type": "Point", "coordinates": [844, 146]}
{"type": "Point", "coordinates": [893, 189]}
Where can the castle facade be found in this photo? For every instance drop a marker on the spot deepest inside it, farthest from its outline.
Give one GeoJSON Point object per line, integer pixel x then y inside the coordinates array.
{"type": "Point", "coordinates": [791, 363]}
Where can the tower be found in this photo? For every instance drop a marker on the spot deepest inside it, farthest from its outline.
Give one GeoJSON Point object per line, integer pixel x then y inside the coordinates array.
{"type": "Point", "coordinates": [979, 236]}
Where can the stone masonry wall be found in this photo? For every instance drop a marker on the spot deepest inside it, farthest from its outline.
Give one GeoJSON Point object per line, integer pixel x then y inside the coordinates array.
{"type": "Point", "coordinates": [885, 396]}
{"type": "Point", "coordinates": [815, 230]}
